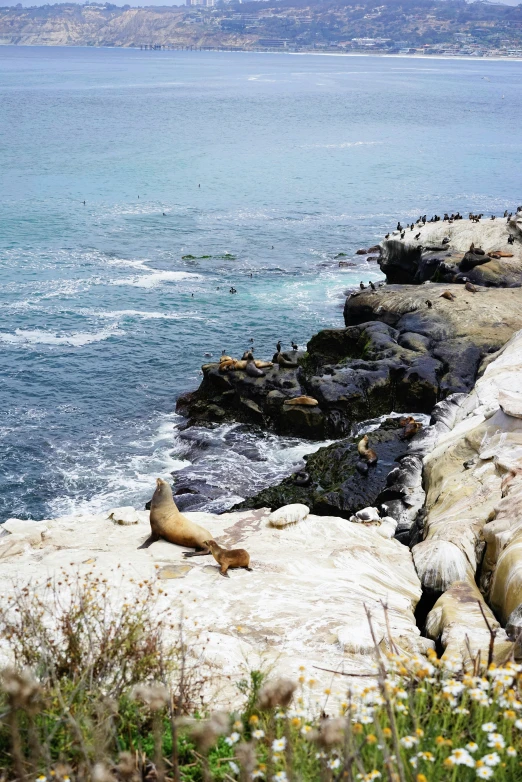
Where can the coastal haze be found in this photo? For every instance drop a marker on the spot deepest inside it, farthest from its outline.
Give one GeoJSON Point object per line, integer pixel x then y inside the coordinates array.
{"type": "Point", "coordinates": [270, 165]}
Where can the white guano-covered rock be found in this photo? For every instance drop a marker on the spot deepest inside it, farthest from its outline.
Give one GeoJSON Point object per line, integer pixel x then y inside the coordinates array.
{"type": "Point", "coordinates": [472, 468]}
{"type": "Point", "coordinates": [302, 604]}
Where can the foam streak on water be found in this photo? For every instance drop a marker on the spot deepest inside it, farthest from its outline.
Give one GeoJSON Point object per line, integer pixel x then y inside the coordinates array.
{"type": "Point", "coordinates": [202, 171]}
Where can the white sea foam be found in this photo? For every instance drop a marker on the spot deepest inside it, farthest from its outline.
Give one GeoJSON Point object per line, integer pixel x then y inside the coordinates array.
{"type": "Point", "coordinates": [156, 277]}
{"type": "Point", "coordinates": [128, 480]}
{"type": "Point", "coordinates": [40, 337]}
{"type": "Point", "coordinates": [143, 315]}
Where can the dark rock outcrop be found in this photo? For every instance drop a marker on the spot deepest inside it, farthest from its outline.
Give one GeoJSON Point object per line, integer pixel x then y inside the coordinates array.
{"type": "Point", "coordinates": [395, 353]}
{"type": "Point", "coordinates": [488, 253]}
{"type": "Point", "coordinates": [336, 487]}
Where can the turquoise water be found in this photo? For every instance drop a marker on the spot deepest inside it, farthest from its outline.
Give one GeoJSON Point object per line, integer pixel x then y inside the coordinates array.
{"type": "Point", "coordinates": [279, 161]}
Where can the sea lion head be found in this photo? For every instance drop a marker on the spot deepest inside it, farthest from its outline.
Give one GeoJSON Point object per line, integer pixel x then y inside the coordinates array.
{"type": "Point", "coordinates": [210, 544]}
{"type": "Point", "coordinates": [163, 492]}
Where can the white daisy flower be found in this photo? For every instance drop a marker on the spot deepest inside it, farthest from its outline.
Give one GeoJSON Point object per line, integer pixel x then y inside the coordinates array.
{"type": "Point", "coordinates": [511, 751]}
{"type": "Point", "coordinates": [333, 764]}
{"type": "Point", "coordinates": [258, 733]}
{"type": "Point", "coordinates": [409, 741]}
{"type": "Point", "coordinates": [489, 727]}
{"type": "Point", "coordinates": [484, 772]}
{"type": "Point", "coordinates": [278, 745]}
{"type": "Point", "coordinates": [461, 757]}
{"type": "Point", "coordinates": [232, 739]}
{"type": "Point", "coordinates": [280, 777]}
{"type": "Point", "coordinates": [233, 767]}
{"type": "Point", "coordinates": [493, 759]}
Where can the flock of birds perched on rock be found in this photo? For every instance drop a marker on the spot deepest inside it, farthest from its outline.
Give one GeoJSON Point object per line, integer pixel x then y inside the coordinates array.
{"type": "Point", "coordinates": [448, 218]}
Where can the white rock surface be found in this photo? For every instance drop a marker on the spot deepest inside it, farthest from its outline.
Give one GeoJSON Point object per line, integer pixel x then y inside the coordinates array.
{"type": "Point", "coordinates": [467, 475]}
{"type": "Point", "coordinates": [288, 514]}
{"type": "Point", "coordinates": [303, 603]}
{"type": "Point", "coordinates": [488, 234]}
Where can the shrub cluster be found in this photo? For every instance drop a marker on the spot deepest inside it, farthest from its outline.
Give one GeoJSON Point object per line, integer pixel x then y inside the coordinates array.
{"type": "Point", "coordinates": [99, 695]}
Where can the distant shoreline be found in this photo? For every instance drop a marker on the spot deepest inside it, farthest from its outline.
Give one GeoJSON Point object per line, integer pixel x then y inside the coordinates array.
{"type": "Point", "coordinates": [274, 51]}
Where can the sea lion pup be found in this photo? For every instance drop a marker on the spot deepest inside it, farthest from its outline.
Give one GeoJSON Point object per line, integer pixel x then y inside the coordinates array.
{"type": "Point", "coordinates": [306, 401]}
{"type": "Point", "coordinates": [167, 522]}
{"type": "Point", "coordinates": [251, 369]}
{"type": "Point", "coordinates": [367, 454]}
{"type": "Point", "coordinates": [470, 287]}
{"type": "Point", "coordinates": [228, 558]}
{"type": "Point", "coordinates": [447, 295]}
{"type": "Point", "coordinates": [411, 427]}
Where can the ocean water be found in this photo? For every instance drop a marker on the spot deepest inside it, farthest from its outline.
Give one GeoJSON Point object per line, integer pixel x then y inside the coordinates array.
{"type": "Point", "coordinates": [270, 164]}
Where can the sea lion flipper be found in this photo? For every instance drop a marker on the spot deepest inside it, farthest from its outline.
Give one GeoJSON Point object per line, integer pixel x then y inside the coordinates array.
{"type": "Point", "coordinates": [225, 574]}
{"type": "Point", "coordinates": [250, 569]}
{"type": "Point", "coordinates": [200, 553]}
{"type": "Point", "coordinates": [150, 540]}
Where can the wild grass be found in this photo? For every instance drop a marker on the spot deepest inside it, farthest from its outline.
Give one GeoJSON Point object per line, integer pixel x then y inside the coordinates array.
{"type": "Point", "coordinates": [107, 692]}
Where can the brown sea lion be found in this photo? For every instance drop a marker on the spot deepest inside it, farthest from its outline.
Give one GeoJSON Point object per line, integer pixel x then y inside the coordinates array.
{"type": "Point", "coordinates": [411, 427]}
{"type": "Point", "coordinates": [228, 558]}
{"type": "Point", "coordinates": [447, 295]}
{"type": "Point", "coordinates": [167, 522]}
{"type": "Point", "coordinates": [366, 453]}
{"type": "Point", "coordinates": [306, 401]}
{"type": "Point", "coordinates": [470, 287]}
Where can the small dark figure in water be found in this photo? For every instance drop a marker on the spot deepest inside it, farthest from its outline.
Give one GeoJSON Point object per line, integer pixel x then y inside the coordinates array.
{"type": "Point", "coordinates": [84, 203]}
{"type": "Point", "coordinates": [233, 290]}
{"type": "Point", "coordinates": [164, 215]}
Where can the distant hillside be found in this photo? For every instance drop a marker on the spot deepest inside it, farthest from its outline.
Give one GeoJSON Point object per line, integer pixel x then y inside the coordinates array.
{"type": "Point", "coordinates": [453, 26]}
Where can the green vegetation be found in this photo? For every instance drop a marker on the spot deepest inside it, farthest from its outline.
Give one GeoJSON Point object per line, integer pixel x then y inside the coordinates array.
{"type": "Point", "coordinates": [99, 694]}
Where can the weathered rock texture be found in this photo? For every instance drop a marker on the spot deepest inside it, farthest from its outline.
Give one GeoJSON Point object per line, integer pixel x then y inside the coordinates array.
{"type": "Point", "coordinates": [395, 353]}
{"type": "Point", "coordinates": [303, 603]}
{"type": "Point", "coordinates": [441, 253]}
{"type": "Point", "coordinates": [473, 513]}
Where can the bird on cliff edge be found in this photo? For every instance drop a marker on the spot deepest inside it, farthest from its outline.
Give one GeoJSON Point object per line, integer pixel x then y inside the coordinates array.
{"type": "Point", "coordinates": [372, 286]}
{"type": "Point", "coordinates": [362, 286]}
